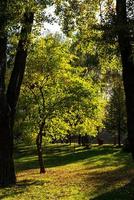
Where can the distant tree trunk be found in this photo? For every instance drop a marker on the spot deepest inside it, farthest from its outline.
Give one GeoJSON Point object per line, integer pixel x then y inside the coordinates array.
{"type": "Point", "coordinates": [85, 141]}
{"type": "Point", "coordinates": [119, 131]}
{"type": "Point", "coordinates": [100, 141]}
{"type": "Point", "coordinates": [69, 138]}
{"type": "Point", "coordinates": [114, 140]}
{"type": "Point", "coordinates": [39, 148]}
{"type": "Point", "coordinates": [79, 139]}
{"type": "Point", "coordinates": [119, 137]}
{"type": "Point", "coordinates": [14, 86]}
{"type": "Point", "coordinates": [119, 123]}
{"type": "Point", "coordinates": [123, 31]}
{"type": "Point", "coordinates": [7, 172]}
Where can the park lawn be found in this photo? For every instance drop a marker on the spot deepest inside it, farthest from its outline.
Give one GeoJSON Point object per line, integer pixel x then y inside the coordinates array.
{"type": "Point", "coordinates": [100, 173]}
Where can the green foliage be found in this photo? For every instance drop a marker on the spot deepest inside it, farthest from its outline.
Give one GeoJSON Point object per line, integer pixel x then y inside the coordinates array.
{"type": "Point", "coordinates": [57, 93]}
{"type": "Point", "coordinates": [76, 15]}
{"type": "Point", "coordinates": [67, 81]}
{"type": "Point", "coordinates": [116, 111]}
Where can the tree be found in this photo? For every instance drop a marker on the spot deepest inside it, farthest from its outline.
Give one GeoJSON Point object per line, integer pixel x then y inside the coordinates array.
{"type": "Point", "coordinates": [116, 111]}
{"type": "Point", "coordinates": [9, 101]}
{"type": "Point", "coordinates": [19, 65]}
{"type": "Point", "coordinates": [59, 100]}
{"type": "Point", "coordinates": [125, 33]}
{"type": "Point", "coordinates": [43, 87]}
{"type": "Point", "coordinates": [7, 172]}
{"type": "Point", "coordinates": [12, 15]}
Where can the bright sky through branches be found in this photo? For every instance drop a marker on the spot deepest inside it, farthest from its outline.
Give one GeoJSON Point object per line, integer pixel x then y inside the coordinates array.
{"type": "Point", "coordinates": [51, 27]}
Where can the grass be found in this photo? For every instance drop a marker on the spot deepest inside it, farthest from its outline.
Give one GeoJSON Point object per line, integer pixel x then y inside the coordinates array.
{"type": "Point", "coordinates": [100, 173]}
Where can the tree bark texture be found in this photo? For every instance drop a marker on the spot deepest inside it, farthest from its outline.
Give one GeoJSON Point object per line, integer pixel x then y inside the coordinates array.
{"type": "Point", "coordinates": [125, 44]}
{"type": "Point", "coordinates": [39, 148]}
{"type": "Point", "coordinates": [119, 134]}
{"type": "Point", "coordinates": [7, 171]}
{"type": "Point", "coordinates": [119, 119]}
{"type": "Point", "coordinates": [9, 101]}
{"type": "Point", "coordinates": [14, 86]}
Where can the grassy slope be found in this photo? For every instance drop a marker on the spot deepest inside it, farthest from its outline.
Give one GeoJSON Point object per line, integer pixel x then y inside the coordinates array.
{"type": "Point", "coordinates": [100, 173]}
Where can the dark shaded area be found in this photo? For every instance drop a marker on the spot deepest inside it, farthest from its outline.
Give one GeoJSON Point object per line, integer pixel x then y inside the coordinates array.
{"type": "Point", "coordinates": [78, 155]}
{"type": "Point", "coordinates": [120, 170]}
{"type": "Point", "coordinates": [106, 180]}
{"type": "Point", "coordinates": [62, 155]}
{"type": "Point", "coordinates": [124, 193]}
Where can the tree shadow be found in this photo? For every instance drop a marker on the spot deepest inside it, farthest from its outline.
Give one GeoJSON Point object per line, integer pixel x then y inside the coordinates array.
{"type": "Point", "coordinates": [111, 184]}
{"type": "Point", "coordinates": [19, 188]}
{"type": "Point", "coordinates": [123, 193]}
{"type": "Point", "coordinates": [60, 156]}
{"type": "Point", "coordinates": [77, 156]}
{"type": "Point", "coordinates": [115, 157]}
{"type": "Point", "coordinates": [24, 150]}
{"type": "Point", "coordinates": [104, 181]}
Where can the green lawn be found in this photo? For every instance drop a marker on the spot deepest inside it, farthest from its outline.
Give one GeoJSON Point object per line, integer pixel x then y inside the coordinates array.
{"type": "Point", "coordinates": [100, 173]}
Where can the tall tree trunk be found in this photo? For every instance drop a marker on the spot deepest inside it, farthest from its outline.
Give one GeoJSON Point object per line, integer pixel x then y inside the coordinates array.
{"type": "Point", "coordinates": [79, 139]}
{"type": "Point", "coordinates": [39, 148]}
{"type": "Point", "coordinates": [14, 86]}
{"type": "Point", "coordinates": [119, 135]}
{"type": "Point", "coordinates": [127, 65]}
{"type": "Point", "coordinates": [119, 122]}
{"type": "Point", "coordinates": [7, 172]}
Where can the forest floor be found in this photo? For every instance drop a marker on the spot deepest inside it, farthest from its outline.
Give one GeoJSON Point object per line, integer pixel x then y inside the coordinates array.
{"type": "Point", "coordinates": [99, 173]}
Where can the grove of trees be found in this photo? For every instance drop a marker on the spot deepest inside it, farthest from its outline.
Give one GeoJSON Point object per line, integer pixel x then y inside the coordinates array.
{"type": "Point", "coordinates": [53, 86]}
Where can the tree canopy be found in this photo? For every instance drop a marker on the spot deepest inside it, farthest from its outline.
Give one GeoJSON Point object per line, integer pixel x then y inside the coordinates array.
{"type": "Point", "coordinates": [53, 87]}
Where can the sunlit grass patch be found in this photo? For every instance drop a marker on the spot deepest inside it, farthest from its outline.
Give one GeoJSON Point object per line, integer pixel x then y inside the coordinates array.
{"type": "Point", "coordinates": [98, 173]}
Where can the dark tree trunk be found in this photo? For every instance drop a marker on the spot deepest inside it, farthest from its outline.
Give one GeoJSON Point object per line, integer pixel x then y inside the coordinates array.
{"type": "Point", "coordinates": [114, 140]}
{"type": "Point", "coordinates": [100, 141]}
{"type": "Point", "coordinates": [8, 102]}
{"type": "Point", "coordinates": [39, 148]}
{"type": "Point", "coordinates": [14, 86]}
{"type": "Point", "coordinates": [127, 65]}
{"type": "Point", "coordinates": [70, 138]}
{"type": "Point", "coordinates": [119, 124]}
{"type": "Point", "coordinates": [119, 136]}
{"type": "Point", "coordinates": [7, 172]}
{"type": "Point", "coordinates": [85, 141]}
{"type": "Point", "coordinates": [79, 139]}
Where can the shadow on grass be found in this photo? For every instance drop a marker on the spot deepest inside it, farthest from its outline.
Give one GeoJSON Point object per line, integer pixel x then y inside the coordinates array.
{"type": "Point", "coordinates": [25, 151]}
{"type": "Point", "coordinates": [123, 193]}
{"type": "Point", "coordinates": [111, 159]}
{"type": "Point", "coordinates": [112, 183]}
{"type": "Point", "coordinates": [104, 180]}
{"type": "Point", "coordinates": [26, 158]}
{"type": "Point", "coordinates": [85, 155]}
{"type": "Point", "coordinates": [19, 188]}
